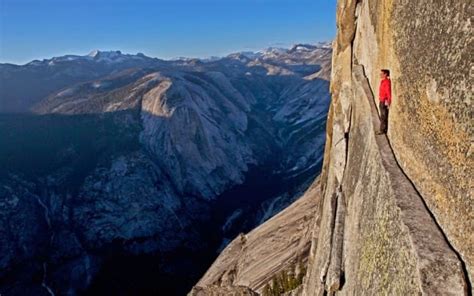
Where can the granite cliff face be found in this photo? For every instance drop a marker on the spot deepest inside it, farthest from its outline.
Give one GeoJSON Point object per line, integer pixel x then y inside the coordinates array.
{"type": "Point", "coordinates": [405, 200]}
{"type": "Point", "coordinates": [396, 211]}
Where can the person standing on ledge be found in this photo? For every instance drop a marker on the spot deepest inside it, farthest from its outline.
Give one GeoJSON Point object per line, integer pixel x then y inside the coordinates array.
{"type": "Point", "coordinates": [385, 97]}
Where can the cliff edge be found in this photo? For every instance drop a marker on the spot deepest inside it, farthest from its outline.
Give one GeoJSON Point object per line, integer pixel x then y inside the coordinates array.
{"type": "Point", "coordinates": [253, 260]}
{"type": "Point", "coordinates": [397, 211]}
{"type": "Point", "coordinates": [395, 214]}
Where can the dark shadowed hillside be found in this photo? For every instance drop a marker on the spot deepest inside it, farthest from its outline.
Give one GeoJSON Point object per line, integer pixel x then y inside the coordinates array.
{"type": "Point", "coordinates": [126, 174]}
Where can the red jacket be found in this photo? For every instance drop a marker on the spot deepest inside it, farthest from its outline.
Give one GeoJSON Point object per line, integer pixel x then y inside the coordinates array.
{"type": "Point", "coordinates": [385, 91]}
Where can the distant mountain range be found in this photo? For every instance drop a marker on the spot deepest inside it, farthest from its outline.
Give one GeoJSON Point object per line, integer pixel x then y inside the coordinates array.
{"type": "Point", "coordinates": [109, 160]}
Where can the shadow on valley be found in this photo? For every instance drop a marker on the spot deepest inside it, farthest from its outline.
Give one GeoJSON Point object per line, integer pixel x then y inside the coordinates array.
{"type": "Point", "coordinates": [174, 273]}
{"type": "Point", "coordinates": [48, 158]}
{"type": "Point", "coordinates": [37, 145]}
{"type": "Point", "coordinates": [124, 202]}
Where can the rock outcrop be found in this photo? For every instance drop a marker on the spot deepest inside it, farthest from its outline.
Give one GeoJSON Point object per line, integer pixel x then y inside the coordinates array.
{"type": "Point", "coordinates": [396, 213]}
{"type": "Point", "coordinates": [252, 260]}
{"type": "Point", "coordinates": [406, 197]}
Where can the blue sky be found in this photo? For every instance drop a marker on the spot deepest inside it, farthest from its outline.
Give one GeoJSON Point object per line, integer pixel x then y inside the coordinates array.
{"type": "Point", "coordinates": [37, 29]}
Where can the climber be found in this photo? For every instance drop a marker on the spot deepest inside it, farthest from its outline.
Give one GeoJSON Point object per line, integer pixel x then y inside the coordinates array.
{"type": "Point", "coordinates": [385, 97]}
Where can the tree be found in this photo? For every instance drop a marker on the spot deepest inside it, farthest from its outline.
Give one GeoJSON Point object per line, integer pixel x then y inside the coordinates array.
{"type": "Point", "coordinates": [301, 273]}
{"type": "Point", "coordinates": [267, 290]}
{"type": "Point", "coordinates": [276, 286]}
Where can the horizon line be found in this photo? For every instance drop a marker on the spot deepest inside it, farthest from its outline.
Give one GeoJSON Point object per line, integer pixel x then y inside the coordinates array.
{"type": "Point", "coordinates": [170, 58]}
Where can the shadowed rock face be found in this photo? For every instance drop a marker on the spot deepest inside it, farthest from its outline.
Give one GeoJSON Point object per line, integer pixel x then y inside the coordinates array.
{"type": "Point", "coordinates": [396, 210]}
{"type": "Point", "coordinates": [128, 179]}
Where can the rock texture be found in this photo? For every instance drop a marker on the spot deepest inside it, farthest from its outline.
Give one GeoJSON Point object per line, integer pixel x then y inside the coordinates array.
{"type": "Point", "coordinates": [218, 291]}
{"type": "Point", "coordinates": [252, 260]}
{"type": "Point", "coordinates": [404, 199]}
{"type": "Point", "coordinates": [396, 213]}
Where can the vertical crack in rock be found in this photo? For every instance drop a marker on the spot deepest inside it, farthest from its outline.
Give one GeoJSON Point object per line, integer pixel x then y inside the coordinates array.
{"type": "Point", "coordinates": [327, 239]}
{"type": "Point", "coordinates": [334, 274]}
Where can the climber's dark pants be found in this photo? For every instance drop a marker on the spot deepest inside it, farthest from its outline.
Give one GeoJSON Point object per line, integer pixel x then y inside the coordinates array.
{"type": "Point", "coordinates": [383, 117]}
